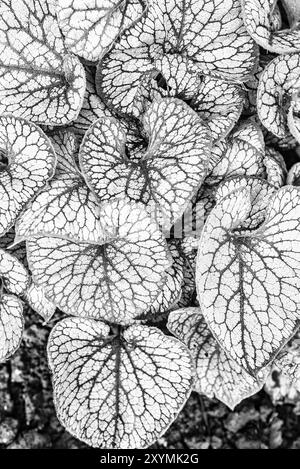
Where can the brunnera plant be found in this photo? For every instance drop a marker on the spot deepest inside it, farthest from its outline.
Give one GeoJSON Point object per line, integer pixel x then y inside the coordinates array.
{"type": "Point", "coordinates": [143, 193]}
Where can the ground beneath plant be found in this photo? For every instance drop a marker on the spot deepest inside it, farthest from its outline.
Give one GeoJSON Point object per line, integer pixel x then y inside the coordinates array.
{"type": "Point", "coordinates": [28, 420]}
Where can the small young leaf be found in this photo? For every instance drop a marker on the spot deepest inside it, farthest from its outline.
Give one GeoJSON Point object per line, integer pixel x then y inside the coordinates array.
{"type": "Point", "coordinates": [217, 375]}
{"type": "Point", "coordinates": [117, 390]}
{"type": "Point", "coordinates": [209, 36]}
{"type": "Point", "coordinates": [65, 146]}
{"type": "Point", "coordinates": [293, 117]}
{"type": "Point", "coordinates": [248, 286]}
{"type": "Point", "coordinates": [35, 296]}
{"type": "Point", "coordinates": [115, 281]}
{"type": "Point", "coordinates": [90, 27]}
{"type": "Point", "coordinates": [165, 175]}
{"type": "Point", "coordinates": [275, 89]}
{"type": "Point", "coordinates": [258, 16]}
{"type": "Point", "coordinates": [31, 162]}
{"type": "Point", "coordinates": [11, 325]}
{"type": "Point", "coordinates": [38, 79]}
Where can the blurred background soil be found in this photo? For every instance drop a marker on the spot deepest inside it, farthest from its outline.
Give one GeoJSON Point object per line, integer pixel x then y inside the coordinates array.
{"type": "Point", "coordinates": [28, 420]}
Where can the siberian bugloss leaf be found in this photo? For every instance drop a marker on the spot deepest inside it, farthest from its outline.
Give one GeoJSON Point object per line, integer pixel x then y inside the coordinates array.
{"type": "Point", "coordinates": [165, 175]}
{"type": "Point", "coordinates": [242, 154]}
{"type": "Point", "coordinates": [217, 375]}
{"type": "Point", "coordinates": [275, 167]}
{"type": "Point", "coordinates": [172, 288]}
{"type": "Point", "coordinates": [276, 86]}
{"type": "Point", "coordinates": [248, 285]}
{"type": "Point", "coordinates": [11, 325]}
{"type": "Point", "coordinates": [92, 108]}
{"type": "Point", "coordinates": [13, 279]}
{"type": "Point", "coordinates": [90, 27]}
{"type": "Point", "coordinates": [117, 390]}
{"type": "Point", "coordinates": [39, 80]}
{"type": "Point", "coordinates": [219, 103]}
{"type": "Point", "coordinates": [115, 280]}
{"type": "Point", "coordinates": [258, 16]}
{"type": "Point", "coordinates": [31, 162]}
{"type": "Point", "coordinates": [35, 296]}
{"type": "Point", "coordinates": [208, 35]}
{"type": "Point", "coordinates": [13, 274]}
{"type": "Point", "coordinates": [66, 207]}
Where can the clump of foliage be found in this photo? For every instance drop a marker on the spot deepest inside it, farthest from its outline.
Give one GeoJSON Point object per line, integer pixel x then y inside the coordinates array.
{"type": "Point", "coordinates": [148, 191]}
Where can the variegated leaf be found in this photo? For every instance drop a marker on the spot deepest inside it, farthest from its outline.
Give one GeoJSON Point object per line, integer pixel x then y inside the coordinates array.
{"type": "Point", "coordinates": [90, 27]}
{"type": "Point", "coordinates": [258, 16]}
{"type": "Point", "coordinates": [30, 163]}
{"type": "Point", "coordinates": [248, 286]}
{"type": "Point", "coordinates": [209, 35]}
{"type": "Point", "coordinates": [165, 175]}
{"type": "Point", "coordinates": [117, 389]}
{"type": "Point", "coordinates": [276, 86]}
{"type": "Point", "coordinates": [116, 280]}
{"type": "Point", "coordinates": [39, 80]}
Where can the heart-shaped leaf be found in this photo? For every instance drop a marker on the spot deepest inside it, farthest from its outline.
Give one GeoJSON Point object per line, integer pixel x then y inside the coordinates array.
{"type": "Point", "coordinates": [276, 86]}
{"type": "Point", "coordinates": [116, 280]}
{"type": "Point", "coordinates": [209, 36]}
{"type": "Point", "coordinates": [258, 16]}
{"type": "Point", "coordinates": [248, 286]}
{"type": "Point", "coordinates": [165, 175]}
{"type": "Point", "coordinates": [31, 162]}
{"type": "Point", "coordinates": [217, 375]}
{"type": "Point", "coordinates": [91, 27]}
{"type": "Point", "coordinates": [119, 390]}
{"type": "Point", "coordinates": [39, 80]}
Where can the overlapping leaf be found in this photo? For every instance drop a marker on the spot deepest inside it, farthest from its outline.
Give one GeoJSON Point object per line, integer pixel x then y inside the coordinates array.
{"type": "Point", "coordinates": [118, 390]}
{"type": "Point", "coordinates": [35, 296]}
{"type": "Point", "coordinates": [217, 375]}
{"type": "Point", "coordinates": [172, 288]}
{"type": "Point", "coordinates": [92, 108]}
{"type": "Point", "coordinates": [260, 192]}
{"type": "Point", "coordinates": [116, 280]}
{"type": "Point", "coordinates": [91, 27]}
{"type": "Point", "coordinates": [258, 17]}
{"type": "Point", "coordinates": [248, 286]}
{"type": "Point", "coordinates": [276, 86]}
{"type": "Point", "coordinates": [242, 154]}
{"type": "Point", "coordinates": [165, 175]}
{"type": "Point", "coordinates": [275, 167]}
{"type": "Point", "coordinates": [293, 117]}
{"type": "Point", "coordinates": [14, 279]}
{"type": "Point", "coordinates": [66, 207]}
{"type": "Point", "coordinates": [206, 37]}
{"type": "Point", "coordinates": [31, 162]}
{"type": "Point", "coordinates": [39, 80]}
